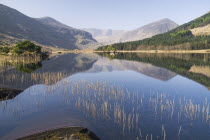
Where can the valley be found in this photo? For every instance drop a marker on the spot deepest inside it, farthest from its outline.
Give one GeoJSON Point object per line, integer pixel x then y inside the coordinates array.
{"type": "Point", "coordinates": [104, 70]}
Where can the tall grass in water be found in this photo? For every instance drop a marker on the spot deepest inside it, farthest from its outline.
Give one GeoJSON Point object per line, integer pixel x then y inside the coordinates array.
{"type": "Point", "coordinates": [21, 59]}
{"type": "Point", "coordinates": [128, 110]}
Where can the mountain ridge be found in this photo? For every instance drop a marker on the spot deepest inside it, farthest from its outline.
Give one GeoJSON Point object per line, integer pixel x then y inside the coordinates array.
{"type": "Point", "coordinates": [44, 31]}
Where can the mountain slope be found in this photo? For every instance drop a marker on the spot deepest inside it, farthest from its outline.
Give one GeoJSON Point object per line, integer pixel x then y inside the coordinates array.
{"type": "Point", "coordinates": [107, 37]}
{"type": "Point", "coordinates": [180, 38]}
{"type": "Point", "coordinates": [45, 31]}
{"type": "Point", "coordinates": [149, 30]}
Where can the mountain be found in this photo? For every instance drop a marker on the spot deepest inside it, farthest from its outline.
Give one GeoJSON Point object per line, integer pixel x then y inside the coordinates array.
{"type": "Point", "coordinates": [194, 35]}
{"type": "Point", "coordinates": [107, 37]}
{"type": "Point", "coordinates": [149, 30]}
{"type": "Point", "coordinates": [15, 26]}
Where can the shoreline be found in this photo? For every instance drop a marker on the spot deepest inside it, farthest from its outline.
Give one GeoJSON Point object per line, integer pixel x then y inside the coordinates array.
{"type": "Point", "coordinates": [133, 51]}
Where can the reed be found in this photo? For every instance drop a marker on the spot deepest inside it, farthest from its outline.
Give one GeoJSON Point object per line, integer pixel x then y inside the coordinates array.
{"type": "Point", "coordinates": [126, 109]}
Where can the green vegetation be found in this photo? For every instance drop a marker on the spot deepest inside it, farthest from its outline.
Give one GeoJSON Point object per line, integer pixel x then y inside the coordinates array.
{"type": "Point", "coordinates": [180, 38]}
{"type": "Point", "coordinates": [25, 47]}
{"type": "Point", "coordinates": [182, 33]}
{"type": "Point", "coordinates": [4, 50]}
{"type": "Point", "coordinates": [110, 48]}
{"type": "Point", "coordinates": [199, 22]}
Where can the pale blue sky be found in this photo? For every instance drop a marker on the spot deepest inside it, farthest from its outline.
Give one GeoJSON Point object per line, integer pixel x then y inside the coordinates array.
{"type": "Point", "coordinates": [114, 14]}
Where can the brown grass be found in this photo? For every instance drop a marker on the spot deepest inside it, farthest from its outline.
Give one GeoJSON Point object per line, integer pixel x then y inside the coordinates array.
{"type": "Point", "coordinates": [205, 30]}
{"type": "Point", "coordinates": [205, 70]}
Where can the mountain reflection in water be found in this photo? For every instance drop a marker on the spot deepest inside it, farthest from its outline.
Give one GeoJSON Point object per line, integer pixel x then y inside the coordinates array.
{"type": "Point", "coordinates": [126, 96]}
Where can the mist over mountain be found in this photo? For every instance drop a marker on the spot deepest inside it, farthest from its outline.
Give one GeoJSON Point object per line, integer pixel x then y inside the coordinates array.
{"type": "Point", "coordinates": [109, 36]}
{"type": "Point", "coordinates": [103, 32]}
{"type": "Point", "coordinates": [15, 26]}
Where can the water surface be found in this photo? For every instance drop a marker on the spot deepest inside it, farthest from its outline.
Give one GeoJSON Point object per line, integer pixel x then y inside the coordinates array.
{"type": "Point", "coordinates": [121, 96]}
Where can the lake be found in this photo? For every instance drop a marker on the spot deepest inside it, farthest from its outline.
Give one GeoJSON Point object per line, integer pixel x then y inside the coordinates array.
{"type": "Point", "coordinates": [117, 96]}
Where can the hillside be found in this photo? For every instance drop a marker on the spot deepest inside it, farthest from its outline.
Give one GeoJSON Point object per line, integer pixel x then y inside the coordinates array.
{"type": "Point", "coordinates": [107, 37]}
{"type": "Point", "coordinates": [189, 36]}
{"type": "Point", "coordinates": [15, 26]}
{"type": "Point", "coordinates": [205, 30]}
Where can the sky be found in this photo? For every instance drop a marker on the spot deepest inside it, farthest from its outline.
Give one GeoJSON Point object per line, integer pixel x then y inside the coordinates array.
{"type": "Point", "coordinates": [111, 14]}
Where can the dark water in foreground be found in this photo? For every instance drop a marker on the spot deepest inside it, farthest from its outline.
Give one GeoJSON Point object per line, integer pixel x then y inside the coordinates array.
{"type": "Point", "coordinates": [125, 96]}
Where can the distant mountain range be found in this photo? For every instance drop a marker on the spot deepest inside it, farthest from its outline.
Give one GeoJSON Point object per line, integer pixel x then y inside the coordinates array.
{"type": "Point", "coordinates": [15, 26]}
{"type": "Point", "coordinates": [163, 34]}
{"type": "Point", "coordinates": [105, 36]}
{"type": "Point", "coordinates": [194, 35]}
{"type": "Point", "coordinates": [109, 36]}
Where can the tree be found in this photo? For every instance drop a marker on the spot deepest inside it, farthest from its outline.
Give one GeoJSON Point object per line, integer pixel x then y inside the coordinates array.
{"type": "Point", "coordinates": [110, 48]}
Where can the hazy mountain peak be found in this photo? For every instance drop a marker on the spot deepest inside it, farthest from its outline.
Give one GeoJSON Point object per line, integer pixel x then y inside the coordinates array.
{"type": "Point", "coordinates": [149, 30]}
{"type": "Point", "coordinates": [169, 21]}
{"type": "Point", "coordinates": [161, 22]}
{"type": "Point", "coordinates": [115, 36]}
{"type": "Point", "coordinates": [166, 19]}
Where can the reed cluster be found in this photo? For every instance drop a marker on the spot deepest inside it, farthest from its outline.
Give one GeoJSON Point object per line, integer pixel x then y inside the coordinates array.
{"type": "Point", "coordinates": [127, 110]}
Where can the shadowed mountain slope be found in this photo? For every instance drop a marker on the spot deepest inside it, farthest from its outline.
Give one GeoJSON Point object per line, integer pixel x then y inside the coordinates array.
{"type": "Point", "coordinates": [45, 31]}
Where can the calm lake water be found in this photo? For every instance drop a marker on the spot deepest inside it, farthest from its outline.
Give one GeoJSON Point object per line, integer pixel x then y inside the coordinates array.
{"type": "Point", "coordinates": [118, 97]}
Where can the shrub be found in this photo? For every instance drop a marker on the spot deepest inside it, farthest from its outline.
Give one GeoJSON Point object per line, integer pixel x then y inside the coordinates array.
{"type": "Point", "coordinates": [4, 50]}
{"type": "Point", "coordinates": [26, 46]}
